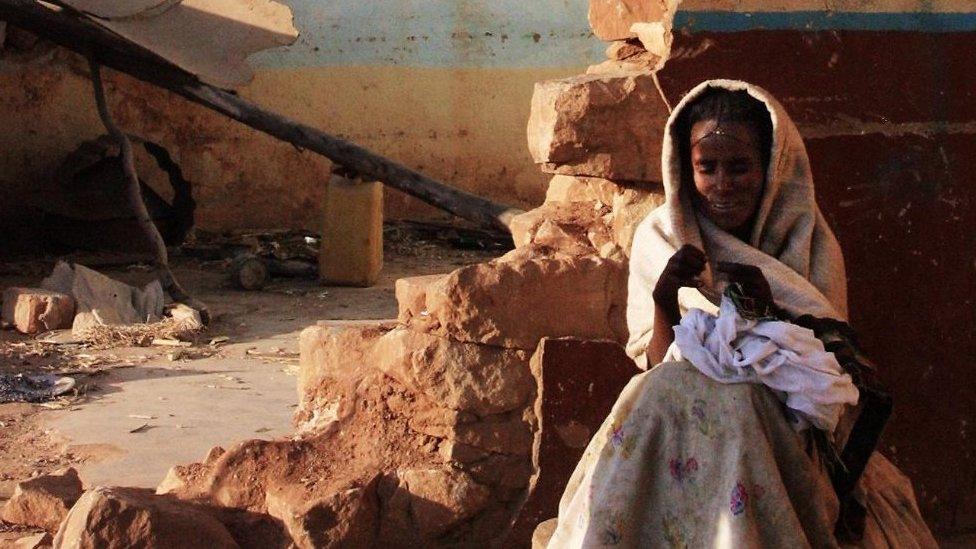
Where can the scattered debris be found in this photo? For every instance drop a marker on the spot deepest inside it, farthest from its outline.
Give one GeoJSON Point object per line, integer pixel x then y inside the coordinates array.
{"type": "Point", "coordinates": [33, 388]}
{"type": "Point", "coordinates": [102, 300]}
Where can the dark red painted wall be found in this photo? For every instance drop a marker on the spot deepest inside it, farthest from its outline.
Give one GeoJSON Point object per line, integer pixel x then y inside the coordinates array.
{"type": "Point", "coordinates": [902, 200]}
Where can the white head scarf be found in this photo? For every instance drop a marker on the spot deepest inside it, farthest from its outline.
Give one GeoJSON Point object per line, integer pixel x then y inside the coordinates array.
{"type": "Point", "coordinates": [790, 239]}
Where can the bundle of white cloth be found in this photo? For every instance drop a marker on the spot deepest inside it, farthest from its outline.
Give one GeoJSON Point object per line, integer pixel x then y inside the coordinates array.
{"type": "Point", "coordinates": [785, 357]}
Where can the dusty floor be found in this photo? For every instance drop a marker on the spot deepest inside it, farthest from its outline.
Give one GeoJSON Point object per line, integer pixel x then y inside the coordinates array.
{"type": "Point", "coordinates": [141, 410]}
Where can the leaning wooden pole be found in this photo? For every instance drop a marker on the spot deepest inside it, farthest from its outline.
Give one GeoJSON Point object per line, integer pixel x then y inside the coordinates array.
{"type": "Point", "coordinates": [76, 33]}
{"type": "Point", "coordinates": [134, 196]}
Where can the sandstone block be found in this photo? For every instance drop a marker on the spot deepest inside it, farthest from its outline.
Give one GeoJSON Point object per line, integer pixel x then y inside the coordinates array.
{"type": "Point", "coordinates": [527, 294]}
{"type": "Point", "coordinates": [108, 518]}
{"type": "Point", "coordinates": [457, 375]}
{"type": "Point", "coordinates": [347, 518]}
{"type": "Point", "coordinates": [332, 352]}
{"type": "Point", "coordinates": [431, 501]}
{"type": "Point", "coordinates": [33, 310]}
{"type": "Point", "coordinates": [352, 235]}
{"type": "Point", "coordinates": [576, 227]}
{"type": "Point", "coordinates": [36, 541]}
{"type": "Point", "coordinates": [618, 50]}
{"type": "Point", "coordinates": [571, 188]}
{"type": "Point", "coordinates": [509, 433]}
{"type": "Point", "coordinates": [612, 19]}
{"type": "Point", "coordinates": [628, 209]}
{"type": "Point", "coordinates": [411, 295]}
{"type": "Point", "coordinates": [636, 65]}
{"type": "Point", "coordinates": [607, 126]}
{"type": "Point", "coordinates": [578, 381]}
{"type": "Point", "coordinates": [44, 501]}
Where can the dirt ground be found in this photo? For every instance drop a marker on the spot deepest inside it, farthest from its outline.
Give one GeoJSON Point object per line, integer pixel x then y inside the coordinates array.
{"type": "Point", "coordinates": [136, 411]}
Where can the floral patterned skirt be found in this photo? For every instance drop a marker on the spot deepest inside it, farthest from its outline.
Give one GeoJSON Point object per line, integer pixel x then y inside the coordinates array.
{"type": "Point", "coordinates": [684, 461]}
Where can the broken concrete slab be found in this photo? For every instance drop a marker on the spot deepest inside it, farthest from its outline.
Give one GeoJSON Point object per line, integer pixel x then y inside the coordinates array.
{"type": "Point", "coordinates": [612, 19]}
{"type": "Point", "coordinates": [528, 294]}
{"type": "Point", "coordinates": [477, 378]}
{"type": "Point", "coordinates": [44, 501]}
{"type": "Point", "coordinates": [109, 518]}
{"type": "Point", "coordinates": [209, 38]}
{"type": "Point", "coordinates": [103, 301]}
{"type": "Point", "coordinates": [34, 310]}
{"type": "Point", "coordinates": [578, 382]}
{"type": "Point", "coordinates": [606, 126]}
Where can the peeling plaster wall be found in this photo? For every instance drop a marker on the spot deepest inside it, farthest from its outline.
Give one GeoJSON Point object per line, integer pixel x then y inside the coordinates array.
{"type": "Point", "coordinates": [441, 86]}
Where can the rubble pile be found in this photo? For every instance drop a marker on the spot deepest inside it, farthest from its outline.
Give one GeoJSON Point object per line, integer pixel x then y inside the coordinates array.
{"type": "Point", "coordinates": [460, 421]}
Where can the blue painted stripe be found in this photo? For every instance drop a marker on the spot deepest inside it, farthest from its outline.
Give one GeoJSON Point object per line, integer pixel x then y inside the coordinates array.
{"type": "Point", "coordinates": [520, 33]}
{"type": "Point", "coordinates": [723, 21]}
{"type": "Point", "coordinates": [439, 33]}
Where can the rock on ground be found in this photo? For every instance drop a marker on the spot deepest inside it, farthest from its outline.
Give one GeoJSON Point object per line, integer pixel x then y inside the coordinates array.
{"type": "Point", "coordinates": [598, 125]}
{"type": "Point", "coordinates": [33, 310]}
{"type": "Point", "coordinates": [109, 518]}
{"type": "Point", "coordinates": [346, 518]}
{"type": "Point", "coordinates": [429, 501]}
{"type": "Point", "coordinates": [44, 501]}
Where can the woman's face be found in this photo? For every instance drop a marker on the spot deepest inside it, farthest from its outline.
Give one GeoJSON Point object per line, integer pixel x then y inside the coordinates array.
{"type": "Point", "coordinates": [728, 173]}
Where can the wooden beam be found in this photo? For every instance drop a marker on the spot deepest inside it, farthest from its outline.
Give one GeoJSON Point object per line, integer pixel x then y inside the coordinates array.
{"type": "Point", "coordinates": [78, 34]}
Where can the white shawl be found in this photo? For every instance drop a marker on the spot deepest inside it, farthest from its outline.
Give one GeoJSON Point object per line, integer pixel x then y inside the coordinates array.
{"type": "Point", "coordinates": [790, 240]}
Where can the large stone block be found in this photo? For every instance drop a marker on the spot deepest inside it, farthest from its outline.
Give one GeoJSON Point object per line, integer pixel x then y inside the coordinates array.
{"type": "Point", "coordinates": [346, 518]}
{"type": "Point", "coordinates": [411, 294]}
{"type": "Point", "coordinates": [109, 518]}
{"type": "Point", "coordinates": [599, 125]}
{"type": "Point", "coordinates": [33, 310]}
{"type": "Point", "coordinates": [527, 294]}
{"type": "Point", "coordinates": [573, 188]}
{"type": "Point", "coordinates": [333, 352]}
{"type": "Point", "coordinates": [461, 376]}
{"type": "Point", "coordinates": [44, 501]}
{"type": "Point", "coordinates": [612, 19]}
{"type": "Point", "coordinates": [625, 204]}
{"type": "Point", "coordinates": [574, 227]}
{"type": "Point", "coordinates": [578, 383]}
{"type": "Point", "coordinates": [428, 502]}
{"type": "Point", "coordinates": [509, 433]}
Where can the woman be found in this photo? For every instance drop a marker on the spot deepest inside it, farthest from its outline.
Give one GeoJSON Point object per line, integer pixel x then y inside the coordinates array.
{"type": "Point", "coordinates": [685, 461]}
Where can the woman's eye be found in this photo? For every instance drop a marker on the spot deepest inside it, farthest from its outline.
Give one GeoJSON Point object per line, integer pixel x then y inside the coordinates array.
{"type": "Point", "coordinates": [739, 168]}
{"type": "Point", "coordinates": [706, 168]}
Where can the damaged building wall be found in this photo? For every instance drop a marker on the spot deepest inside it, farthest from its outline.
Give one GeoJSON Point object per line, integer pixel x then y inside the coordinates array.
{"type": "Point", "coordinates": [443, 87]}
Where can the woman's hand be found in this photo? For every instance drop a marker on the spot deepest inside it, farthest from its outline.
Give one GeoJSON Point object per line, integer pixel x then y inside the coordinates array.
{"type": "Point", "coordinates": [681, 271]}
{"type": "Point", "coordinates": [750, 278]}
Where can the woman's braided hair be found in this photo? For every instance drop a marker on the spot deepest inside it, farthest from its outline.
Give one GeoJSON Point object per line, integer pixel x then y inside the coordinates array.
{"type": "Point", "coordinates": [724, 105]}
